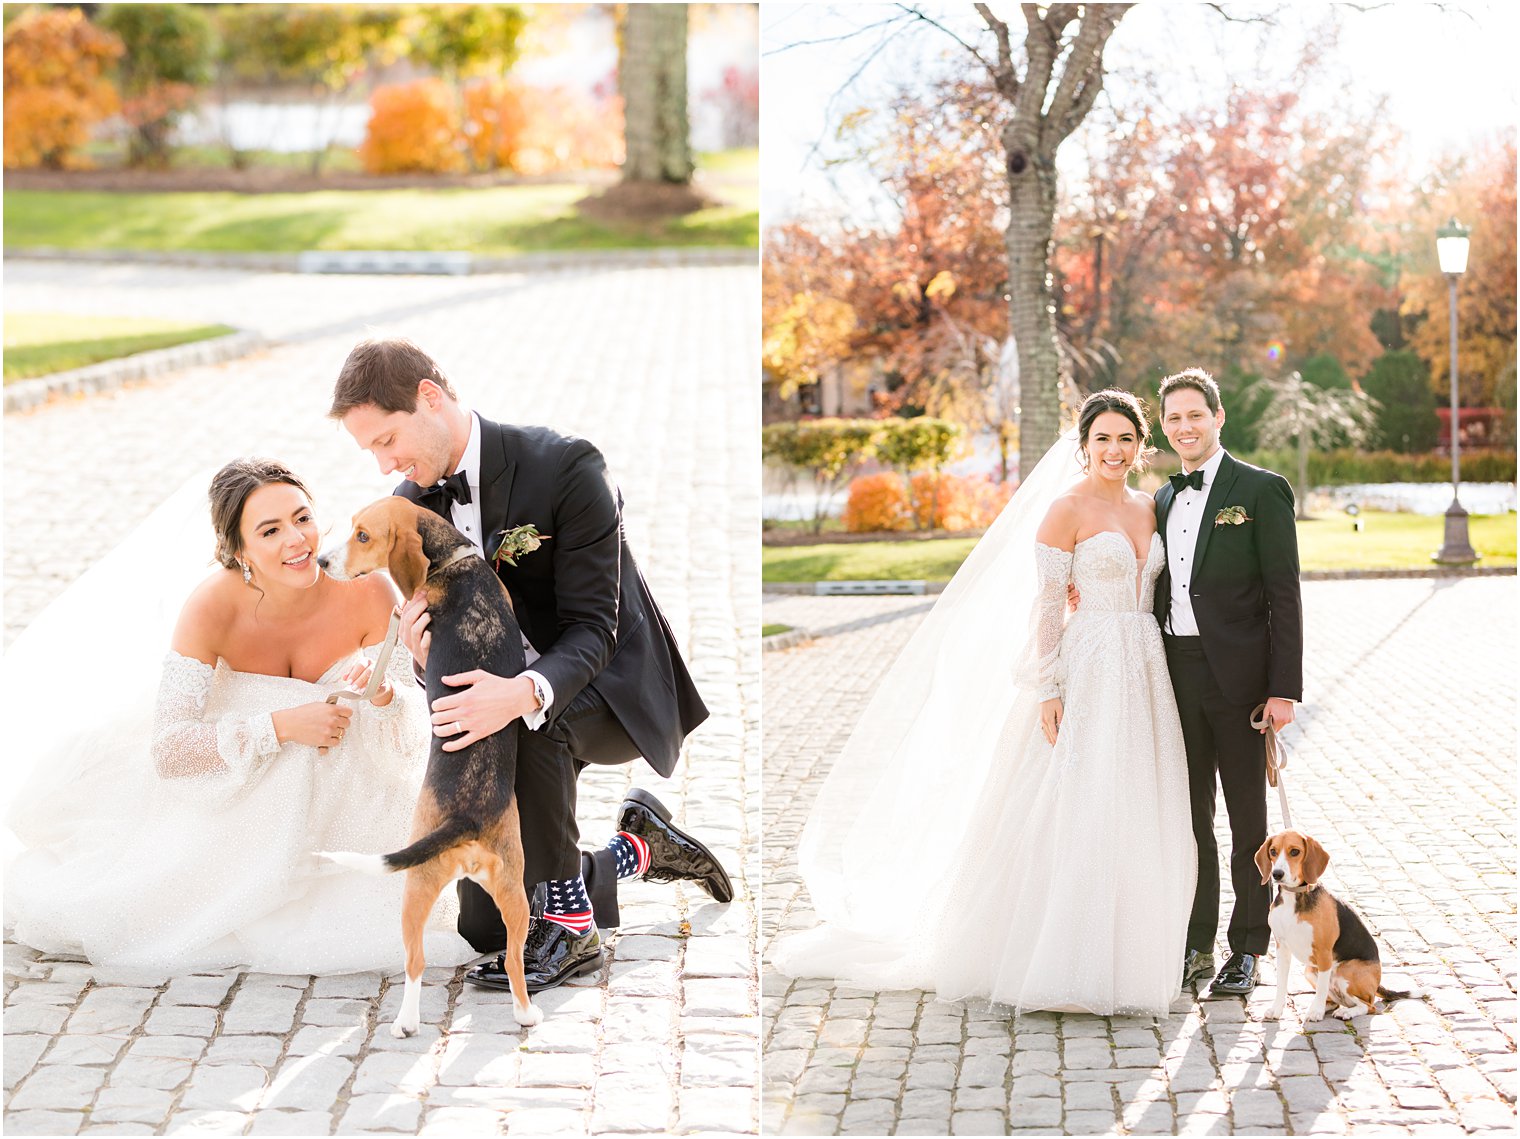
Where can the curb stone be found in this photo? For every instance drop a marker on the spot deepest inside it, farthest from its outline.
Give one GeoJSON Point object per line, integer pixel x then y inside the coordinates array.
{"type": "Point", "coordinates": [787, 640]}
{"type": "Point", "coordinates": [109, 375]}
{"type": "Point", "coordinates": [814, 588]}
{"type": "Point", "coordinates": [661, 257]}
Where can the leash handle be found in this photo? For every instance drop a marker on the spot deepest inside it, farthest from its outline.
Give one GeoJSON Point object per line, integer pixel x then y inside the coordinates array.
{"type": "Point", "coordinates": [1277, 760]}
{"type": "Point", "coordinates": [377, 674]}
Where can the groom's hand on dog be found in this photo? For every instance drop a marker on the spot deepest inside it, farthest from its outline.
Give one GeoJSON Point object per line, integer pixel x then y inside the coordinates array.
{"type": "Point", "coordinates": [414, 623]}
{"type": "Point", "coordinates": [487, 704]}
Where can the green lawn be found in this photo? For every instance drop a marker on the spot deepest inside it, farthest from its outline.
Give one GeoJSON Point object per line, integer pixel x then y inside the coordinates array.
{"type": "Point", "coordinates": [496, 221]}
{"type": "Point", "coordinates": [37, 344]}
{"type": "Point", "coordinates": [1389, 541]}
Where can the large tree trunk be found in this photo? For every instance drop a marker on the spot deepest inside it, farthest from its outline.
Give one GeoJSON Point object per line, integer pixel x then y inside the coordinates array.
{"type": "Point", "coordinates": [652, 77]}
{"type": "Point", "coordinates": [1062, 75]}
{"type": "Point", "coordinates": [1031, 302]}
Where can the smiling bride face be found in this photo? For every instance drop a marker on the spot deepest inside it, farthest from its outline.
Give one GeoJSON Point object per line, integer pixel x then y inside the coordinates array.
{"type": "Point", "coordinates": [1112, 444]}
{"type": "Point", "coordinates": [280, 538]}
{"type": "Point", "coordinates": [264, 520]}
{"type": "Point", "coordinates": [1113, 430]}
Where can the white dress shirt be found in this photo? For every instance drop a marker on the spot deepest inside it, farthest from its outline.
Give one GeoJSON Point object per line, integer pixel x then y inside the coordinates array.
{"type": "Point", "coordinates": [1184, 524]}
{"type": "Point", "coordinates": [466, 519]}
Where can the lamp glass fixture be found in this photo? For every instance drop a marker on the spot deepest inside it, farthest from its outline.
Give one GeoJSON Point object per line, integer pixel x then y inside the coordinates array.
{"type": "Point", "coordinates": [1451, 247]}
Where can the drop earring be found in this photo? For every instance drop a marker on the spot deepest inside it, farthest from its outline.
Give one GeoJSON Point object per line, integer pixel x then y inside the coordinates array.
{"type": "Point", "coordinates": [247, 574]}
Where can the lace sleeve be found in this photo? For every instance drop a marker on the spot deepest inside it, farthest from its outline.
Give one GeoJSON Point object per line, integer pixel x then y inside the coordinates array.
{"type": "Point", "coordinates": [186, 746]}
{"type": "Point", "coordinates": [1040, 667]}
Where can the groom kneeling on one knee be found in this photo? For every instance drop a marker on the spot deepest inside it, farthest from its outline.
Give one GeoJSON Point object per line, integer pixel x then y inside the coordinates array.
{"type": "Point", "coordinates": [605, 681]}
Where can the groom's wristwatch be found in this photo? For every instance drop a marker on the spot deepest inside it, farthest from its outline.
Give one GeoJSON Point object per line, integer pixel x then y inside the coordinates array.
{"type": "Point", "coordinates": [539, 695]}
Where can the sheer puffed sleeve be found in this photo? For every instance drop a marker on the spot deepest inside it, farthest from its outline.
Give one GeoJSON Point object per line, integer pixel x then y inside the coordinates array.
{"type": "Point", "coordinates": [1040, 667]}
{"type": "Point", "coordinates": [187, 746]}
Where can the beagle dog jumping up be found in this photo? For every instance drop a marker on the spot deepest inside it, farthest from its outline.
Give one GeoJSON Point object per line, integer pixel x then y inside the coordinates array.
{"type": "Point", "coordinates": [1308, 923]}
{"type": "Point", "coordinates": [466, 823]}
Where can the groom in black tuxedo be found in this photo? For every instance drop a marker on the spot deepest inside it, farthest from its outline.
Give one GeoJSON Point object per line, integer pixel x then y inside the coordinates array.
{"type": "Point", "coordinates": [605, 681]}
{"type": "Point", "coordinates": [1228, 605]}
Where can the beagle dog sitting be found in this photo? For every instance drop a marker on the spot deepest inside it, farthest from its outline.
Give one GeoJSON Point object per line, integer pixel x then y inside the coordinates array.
{"type": "Point", "coordinates": [1308, 923]}
{"type": "Point", "coordinates": [465, 824]}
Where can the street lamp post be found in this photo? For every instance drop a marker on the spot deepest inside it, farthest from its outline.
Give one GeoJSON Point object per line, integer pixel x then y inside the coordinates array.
{"type": "Point", "coordinates": [1451, 251]}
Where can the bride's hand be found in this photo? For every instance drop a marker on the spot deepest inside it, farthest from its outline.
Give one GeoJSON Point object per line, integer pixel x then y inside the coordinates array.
{"type": "Point", "coordinates": [414, 623]}
{"type": "Point", "coordinates": [1050, 718]}
{"type": "Point", "coordinates": [357, 679]}
{"type": "Point", "coordinates": [320, 725]}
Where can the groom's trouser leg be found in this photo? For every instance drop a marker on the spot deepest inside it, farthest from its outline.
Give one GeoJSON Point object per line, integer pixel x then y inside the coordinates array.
{"type": "Point", "coordinates": [1221, 743]}
{"type": "Point", "coordinates": [548, 763]}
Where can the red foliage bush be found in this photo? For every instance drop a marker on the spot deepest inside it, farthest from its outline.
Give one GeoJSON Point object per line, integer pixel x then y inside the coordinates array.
{"type": "Point", "coordinates": [957, 503]}
{"type": "Point", "coordinates": [877, 502]}
{"type": "Point", "coordinates": [881, 502]}
{"type": "Point", "coordinates": [413, 128]}
{"type": "Point", "coordinates": [55, 85]}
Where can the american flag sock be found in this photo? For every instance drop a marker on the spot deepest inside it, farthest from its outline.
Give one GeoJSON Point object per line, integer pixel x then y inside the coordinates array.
{"type": "Point", "coordinates": [632, 854]}
{"type": "Point", "coordinates": [568, 904]}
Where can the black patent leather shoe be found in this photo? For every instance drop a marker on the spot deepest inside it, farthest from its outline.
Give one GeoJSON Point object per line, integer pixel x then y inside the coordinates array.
{"type": "Point", "coordinates": [1196, 965]}
{"type": "Point", "coordinates": [673, 854]}
{"type": "Point", "coordinates": [551, 956]}
{"type": "Point", "coordinates": [1237, 978]}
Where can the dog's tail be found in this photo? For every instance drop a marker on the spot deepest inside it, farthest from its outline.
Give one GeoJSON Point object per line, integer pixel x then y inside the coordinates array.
{"type": "Point", "coordinates": [1399, 995]}
{"type": "Point", "coordinates": [426, 848]}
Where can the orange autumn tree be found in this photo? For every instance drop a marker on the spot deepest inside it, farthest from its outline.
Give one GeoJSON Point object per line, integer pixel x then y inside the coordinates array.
{"type": "Point", "coordinates": [55, 85]}
{"type": "Point", "coordinates": [1206, 233]}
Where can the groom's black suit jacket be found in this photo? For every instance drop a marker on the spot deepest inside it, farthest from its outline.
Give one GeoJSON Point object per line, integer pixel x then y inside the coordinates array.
{"type": "Point", "coordinates": [1244, 585]}
{"type": "Point", "coordinates": [579, 597]}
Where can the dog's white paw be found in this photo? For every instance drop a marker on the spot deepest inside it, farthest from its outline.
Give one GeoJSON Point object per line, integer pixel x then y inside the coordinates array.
{"type": "Point", "coordinates": [1273, 1013]}
{"type": "Point", "coordinates": [401, 1029]}
{"type": "Point", "coordinates": [1315, 1013]}
{"type": "Point", "coordinates": [528, 1017]}
{"type": "Point", "coordinates": [1345, 1013]}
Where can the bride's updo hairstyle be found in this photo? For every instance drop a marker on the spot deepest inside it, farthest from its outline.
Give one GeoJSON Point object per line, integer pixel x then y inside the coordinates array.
{"type": "Point", "coordinates": [230, 488]}
{"type": "Point", "coordinates": [1125, 404]}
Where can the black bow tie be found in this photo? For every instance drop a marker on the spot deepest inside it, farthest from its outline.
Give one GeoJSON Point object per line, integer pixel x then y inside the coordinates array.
{"type": "Point", "coordinates": [1178, 481]}
{"type": "Point", "coordinates": [455, 488]}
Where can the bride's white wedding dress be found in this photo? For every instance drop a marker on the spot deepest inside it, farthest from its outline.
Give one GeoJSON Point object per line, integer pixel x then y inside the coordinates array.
{"type": "Point", "coordinates": [154, 822]}
{"type": "Point", "coordinates": [196, 852]}
{"type": "Point", "coordinates": [1038, 876]}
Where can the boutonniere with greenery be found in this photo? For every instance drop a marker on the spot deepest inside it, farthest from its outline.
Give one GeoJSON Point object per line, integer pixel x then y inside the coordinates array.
{"type": "Point", "coordinates": [516, 543]}
{"type": "Point", "coordinates": [1231, 516]}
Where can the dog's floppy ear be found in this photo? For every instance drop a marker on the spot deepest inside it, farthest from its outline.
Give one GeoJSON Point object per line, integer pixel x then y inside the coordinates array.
{"type": "Point", "coordinates": [1264, 860]}
{"type": "Point", "coordinates": [1316, 858]}
{"type": "Point", "coordinates": [408, 565]}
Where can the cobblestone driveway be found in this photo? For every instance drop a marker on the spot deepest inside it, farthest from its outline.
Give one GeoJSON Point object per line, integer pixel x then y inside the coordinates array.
{"type": "Point", "coordinates": [1404, 766]}
{"type": "Point", "coordinates": [654, 364]}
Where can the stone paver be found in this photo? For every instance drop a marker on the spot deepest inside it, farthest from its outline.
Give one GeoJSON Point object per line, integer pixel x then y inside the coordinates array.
{"type": "Point", "coordinates": [656, 365]}
{"type": "Point", "coordinates": [1403, 765]}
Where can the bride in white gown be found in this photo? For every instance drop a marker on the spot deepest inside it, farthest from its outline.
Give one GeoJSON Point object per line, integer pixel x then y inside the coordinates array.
{"type": "Point", "coordinates": [1009, 825]}
{"type": "Point", "coordinates": [176, 834]}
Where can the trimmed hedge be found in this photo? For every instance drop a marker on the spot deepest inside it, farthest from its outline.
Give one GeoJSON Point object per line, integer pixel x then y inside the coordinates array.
{"type": "Point", "coordinates": [1346, 466]}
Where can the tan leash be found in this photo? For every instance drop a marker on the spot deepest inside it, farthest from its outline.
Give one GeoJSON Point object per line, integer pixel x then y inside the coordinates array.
{"type": "Point", "coordinates": [377, 675]}
{"type": "Point", "coordinates": [1277, 760]}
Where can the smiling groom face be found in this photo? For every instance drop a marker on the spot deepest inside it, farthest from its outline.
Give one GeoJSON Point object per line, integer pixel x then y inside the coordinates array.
{"type": "Point", "coordinates": [1190, 427]}
{"type": "Point", "coordinates": [423, 445]}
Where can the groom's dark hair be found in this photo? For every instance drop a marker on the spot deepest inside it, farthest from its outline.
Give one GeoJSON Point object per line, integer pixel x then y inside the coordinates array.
{"type": "Point", "coordinates": [1196, 379]}
{"type": "Point", "coordinates": [384, 373]}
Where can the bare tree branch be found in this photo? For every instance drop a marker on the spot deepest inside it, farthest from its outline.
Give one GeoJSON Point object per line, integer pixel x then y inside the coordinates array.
{"type": "Point", "coordinates": [933, 23]}
{"type": "Point", "coordinates": [1268, 19]}
{"type": "Point", "coordinates": [1005, 78]}
{"type": "Point", "coordinates": [844, 37]}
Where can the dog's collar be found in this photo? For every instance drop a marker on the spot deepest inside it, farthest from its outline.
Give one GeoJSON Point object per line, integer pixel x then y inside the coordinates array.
{"type": "Point", "coordinates": [457, 556]}
{"type": "Point", "coordinates": [1299, 889]}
